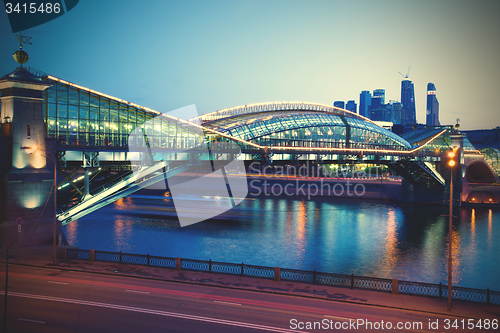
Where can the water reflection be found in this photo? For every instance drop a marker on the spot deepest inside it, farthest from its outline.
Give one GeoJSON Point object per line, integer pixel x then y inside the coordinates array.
{"type": "Point", "coordinates": [490, 225]}
{"type": "Point", "coordinates": [167, 196]}
{"type": "Point", "coordinates": [391, 242]}
{"type": "Point", "coordinates": [432, 256]}
{"type": "Point", "coordinates": [472, 248]}
{"type": "Point", "coordinates": [456, 256]}
{"type": "Point", "coordinates": [124, 203]}
{"type": "Point", "coordinates": [123, 231]}
{"type": "Point", "coordinates": [71, 232]}
{"type": "Point", "coordinates": [473, 225]}
{"type": "Point", "coordinates": [369, 238]}
{"type": "Point", "coordinates": [301, 224]}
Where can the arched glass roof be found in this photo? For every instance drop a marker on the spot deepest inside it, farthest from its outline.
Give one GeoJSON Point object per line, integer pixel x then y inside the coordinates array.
{"type": "Point", "coordinates": [317, 128]}
{"type": "Point", "coordinates": [272, 107]}
{"type": "Point", "coordinates": [388, 137]}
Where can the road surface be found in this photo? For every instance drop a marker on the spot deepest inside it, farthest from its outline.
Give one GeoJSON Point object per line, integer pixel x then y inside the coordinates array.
{"type": "Point", "coordinates": [53, 300]}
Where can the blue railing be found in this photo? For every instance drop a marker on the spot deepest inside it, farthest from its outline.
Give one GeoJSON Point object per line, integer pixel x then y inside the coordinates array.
{"type": "Point", "coordinates": [294, 275]}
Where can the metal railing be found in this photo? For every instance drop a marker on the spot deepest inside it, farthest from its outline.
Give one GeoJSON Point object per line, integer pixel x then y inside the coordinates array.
{"type": "Point", "coordinates": [77, 254]}
{"type": "Point", "coordinates": [352, 281]}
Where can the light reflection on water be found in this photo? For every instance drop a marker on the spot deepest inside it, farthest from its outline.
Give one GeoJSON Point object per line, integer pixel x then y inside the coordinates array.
{"type": "Point", "coordinates": [382, 239]}
{"type": "Point", "coordinates": [391, 243]}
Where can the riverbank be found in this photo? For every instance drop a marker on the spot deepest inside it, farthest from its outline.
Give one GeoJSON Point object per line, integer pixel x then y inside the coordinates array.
{"type": "Point", "coordinates": [41, 256]}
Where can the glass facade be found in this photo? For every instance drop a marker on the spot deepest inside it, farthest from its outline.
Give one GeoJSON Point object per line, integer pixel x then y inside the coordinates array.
{"type": "Point", "coordinates": [309, 129]}
{"type": "Point", "coordinates": [368, 135]}
{"type": "Point", "coordinates": [365, 103]}
{"type": "Point", "coordinates": [432, 118]}
{"type": "Point", "coordinates": [79, 117]}
{"type": "Point", "coordinates": [408, 101]}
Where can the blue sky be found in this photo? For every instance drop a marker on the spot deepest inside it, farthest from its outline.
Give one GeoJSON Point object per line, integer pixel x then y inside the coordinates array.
{"type": "Point", "coordinates": [218, 54]}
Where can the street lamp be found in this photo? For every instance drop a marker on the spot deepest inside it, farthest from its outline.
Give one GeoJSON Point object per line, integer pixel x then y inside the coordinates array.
{"type": "Point", "coordinates": [451, 163]}
{"type": "Point", "coordinates": [35, 149]}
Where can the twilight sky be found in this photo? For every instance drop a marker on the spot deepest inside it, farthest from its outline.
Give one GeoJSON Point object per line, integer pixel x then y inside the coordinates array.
{"type": "Point", "coordinates": [217, 54]}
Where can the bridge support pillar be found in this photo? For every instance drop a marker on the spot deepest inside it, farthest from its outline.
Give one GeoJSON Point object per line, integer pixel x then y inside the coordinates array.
{"type": "Point", "coordinates": [86, 182]}
{"type": "Point", "coordinates": [26, 174]}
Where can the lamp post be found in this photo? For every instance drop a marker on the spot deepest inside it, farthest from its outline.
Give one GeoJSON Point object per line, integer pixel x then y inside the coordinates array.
{"type": "Point", "coordinates": [55, 209]}
{"type": "Point", "coordinates": [34, 149]}
{"type": "Point", "coordinates": [451, 163]}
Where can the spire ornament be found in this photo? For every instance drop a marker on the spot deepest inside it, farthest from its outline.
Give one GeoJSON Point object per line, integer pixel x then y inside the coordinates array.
{"type": "Point", "coordinates": [21, 56]}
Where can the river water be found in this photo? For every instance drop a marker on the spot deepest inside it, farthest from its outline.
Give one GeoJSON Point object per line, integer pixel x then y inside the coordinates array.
{"type": "Point", "coordinates": [371, 238]}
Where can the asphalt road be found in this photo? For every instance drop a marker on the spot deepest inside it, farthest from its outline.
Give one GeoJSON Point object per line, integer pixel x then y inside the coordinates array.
{"type": "Point", "coordinates": [52, 300]}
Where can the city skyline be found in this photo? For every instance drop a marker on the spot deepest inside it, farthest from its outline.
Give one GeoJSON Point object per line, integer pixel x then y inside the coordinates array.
{"type": "Point", "coordinates": [166, 55]}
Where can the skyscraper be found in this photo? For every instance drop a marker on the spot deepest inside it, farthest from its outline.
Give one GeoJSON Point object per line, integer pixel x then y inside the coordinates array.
{"type": "Point", "coordinates": [432, 106]}
{"type": "Point", "coordinates": [396, 112]}
{"type": "Point", "coordinates": [339, 104]}
{"type": "Point", "coordinates": [380, 93]}
{"type": "Point", "coordinates": [352, 106]}
{"type": "Point", "coordinates": [408, 101]}
{"type": "Point", "coordinates": [365, 102]}
{"type": "Point", "coordinates": [378, 105]}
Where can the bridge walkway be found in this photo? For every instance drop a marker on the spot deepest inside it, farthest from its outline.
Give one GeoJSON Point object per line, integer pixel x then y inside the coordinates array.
{"type": "Point", "coordinates": [126, 185]}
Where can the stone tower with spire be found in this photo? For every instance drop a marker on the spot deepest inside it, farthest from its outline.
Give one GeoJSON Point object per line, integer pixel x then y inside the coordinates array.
{"type": "Point", "coordinates": [26, 183]}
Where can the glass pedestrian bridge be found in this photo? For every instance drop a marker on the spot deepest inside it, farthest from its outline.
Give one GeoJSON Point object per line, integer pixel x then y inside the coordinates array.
{"type": "Point", "coordinates": [107, 147]}
{"type": "Point", "coordinates": [84, 119]}
{"type": "Point", "coordinates": [296, 124]}
{"type": "Point", "coordinates": [81, 117]}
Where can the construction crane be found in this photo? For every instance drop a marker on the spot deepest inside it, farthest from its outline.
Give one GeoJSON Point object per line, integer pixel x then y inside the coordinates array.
{"type": "Point", "coordinates": [407, 74]}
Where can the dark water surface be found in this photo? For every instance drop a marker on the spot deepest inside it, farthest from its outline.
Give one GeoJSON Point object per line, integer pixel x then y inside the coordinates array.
{"type": "Point", "coordinates": [370, 238]}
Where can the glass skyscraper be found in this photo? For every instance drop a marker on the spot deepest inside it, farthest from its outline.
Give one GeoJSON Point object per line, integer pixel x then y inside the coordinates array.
{"type": "Point", "coordinates": [432, 106]}
{"type": "Point", "coordinates": [352, 106]}
{"type": "Point", "coordinates": [339, 104]}
{"type": "Point", "coordinates": [379, 93]}
{"type": "Point", "coordinates": [365, 102]}
{"type": "Point", "coordinates": [396, 112]}
{"type": "Point", "coordinates": [378, 105]}
{"type": "Point", "coordinates": [408, 101]}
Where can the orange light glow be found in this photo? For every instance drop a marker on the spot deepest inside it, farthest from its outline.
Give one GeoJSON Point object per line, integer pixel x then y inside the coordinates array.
{"type": "Point", "coordinates": [72, 231]}
{"type": "Point", "coordinates": [301, 222]}
{"type": "Point", "coordinates": [473, 225]}
{"type": "Point", "coordinates": [391, 242]}
{"type": "Point", "coordinates": [451, 163]}
{"type": "Point", "coordinates": [451, 154]}
{"type": "Point", "coordinates": [119, 203]}
{"type": "Point", "coordinates": [490, 224]}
